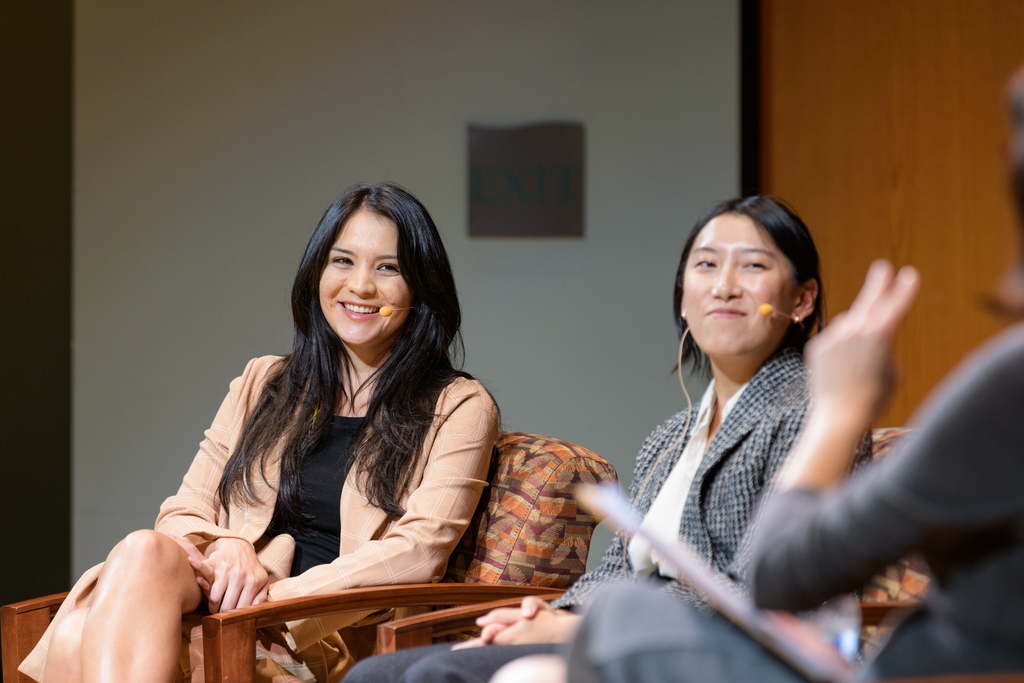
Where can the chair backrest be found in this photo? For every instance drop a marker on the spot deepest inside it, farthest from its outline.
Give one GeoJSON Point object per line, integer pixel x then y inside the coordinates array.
{"type": "Point", "coordinates": [906, 580]}
{"type": "Point", "coordinates": [528, 528]}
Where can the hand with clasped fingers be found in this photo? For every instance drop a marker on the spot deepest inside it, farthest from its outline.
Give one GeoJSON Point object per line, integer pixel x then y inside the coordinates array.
{"type": "Point", "coordinates": [229, 574]}
{"type": "Point", "coordinates": [534, 621]}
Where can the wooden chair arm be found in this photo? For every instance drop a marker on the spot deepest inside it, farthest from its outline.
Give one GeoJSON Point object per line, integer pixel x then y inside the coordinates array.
{"type": "Point", "coordinates": [229, 639]}
{"type": "Point", "coordinates": [21, 626]}
{"type": "Point", "coordinates": [873, 613]}
{"type": "Point", "coordinates": [402, 634]}
{"type": "Point", "coordinates": [419, 630]}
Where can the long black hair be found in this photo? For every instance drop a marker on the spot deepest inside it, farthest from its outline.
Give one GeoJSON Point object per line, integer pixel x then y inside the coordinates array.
{"type": "Point", "coordinates": [790, 235]}
{"type": "Point", "coordinates": [310, 381]}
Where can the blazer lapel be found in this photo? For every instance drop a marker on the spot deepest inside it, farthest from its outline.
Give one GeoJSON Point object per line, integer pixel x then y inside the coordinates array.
{"type": "Point", "coordinates": [663, 464]}
{"type": "Point", "coordinates": [743, 418]}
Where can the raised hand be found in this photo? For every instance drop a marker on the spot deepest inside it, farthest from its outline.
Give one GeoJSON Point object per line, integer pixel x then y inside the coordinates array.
{"type": "Point", "coordinates": [852, 374]}
{"type": "Point", "coordinates": [851, 360]}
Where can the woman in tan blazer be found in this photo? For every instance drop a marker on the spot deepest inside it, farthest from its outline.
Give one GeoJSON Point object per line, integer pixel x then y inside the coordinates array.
{"type": "Point", "coordinates": [367, 408]}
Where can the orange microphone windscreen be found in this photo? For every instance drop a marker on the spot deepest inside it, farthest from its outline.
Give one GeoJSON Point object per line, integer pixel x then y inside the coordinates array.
{"type": "Point", "coordinates": [766, 309]}
{"type": "Point", "coordinates": [386, 311]}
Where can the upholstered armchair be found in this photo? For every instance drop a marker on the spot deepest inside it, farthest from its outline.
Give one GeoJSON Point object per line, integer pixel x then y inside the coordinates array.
{"type": "Point", "coordinates": [528, 537]}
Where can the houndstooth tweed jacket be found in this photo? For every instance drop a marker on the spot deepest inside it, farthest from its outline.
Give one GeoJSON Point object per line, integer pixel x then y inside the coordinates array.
{"type": "Point", "coordinates": [739, 464]}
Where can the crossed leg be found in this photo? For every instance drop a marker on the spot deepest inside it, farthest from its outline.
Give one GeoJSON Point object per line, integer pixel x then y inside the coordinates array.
{"type": "Point", "coordinates": [132, 631]}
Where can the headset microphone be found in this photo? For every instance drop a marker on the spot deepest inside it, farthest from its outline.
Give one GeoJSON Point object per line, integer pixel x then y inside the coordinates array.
{"type": "Point", "coordinates": [768, 310]}
{"type": "Point", "coordinates": [386, 311]}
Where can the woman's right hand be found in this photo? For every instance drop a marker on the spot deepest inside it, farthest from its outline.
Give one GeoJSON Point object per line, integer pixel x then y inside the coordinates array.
{"type": "Point", "coordinates": [230, 574]}
{"type": "Point", "coordinates": [235, 576]}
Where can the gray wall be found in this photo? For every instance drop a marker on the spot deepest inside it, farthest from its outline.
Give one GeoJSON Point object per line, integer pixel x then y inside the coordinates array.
{"type": "Point", "coordinates": [210, 137]}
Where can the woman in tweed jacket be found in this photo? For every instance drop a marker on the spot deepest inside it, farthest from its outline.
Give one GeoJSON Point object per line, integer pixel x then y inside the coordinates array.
{"type": "Point", "coordinates": [745, 454]}
{"type": "Point", "coordinates": [701, 473]}
{"type": "Point", "coordinates": [356, 460]}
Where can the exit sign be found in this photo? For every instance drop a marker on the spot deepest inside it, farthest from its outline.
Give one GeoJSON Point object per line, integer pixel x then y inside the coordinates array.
{"type": "Point", "coordinates": [526, 181]}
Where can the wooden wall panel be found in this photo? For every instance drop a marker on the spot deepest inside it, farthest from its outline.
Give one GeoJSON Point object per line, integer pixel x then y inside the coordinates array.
{"type": "Point", "coordinates": [883, 123]}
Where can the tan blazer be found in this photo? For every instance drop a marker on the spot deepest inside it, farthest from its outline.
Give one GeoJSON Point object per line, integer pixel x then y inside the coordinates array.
{"type": "Point", "coordinates": [376, 549]}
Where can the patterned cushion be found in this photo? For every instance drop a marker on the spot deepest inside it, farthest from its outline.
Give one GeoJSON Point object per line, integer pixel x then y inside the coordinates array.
{"type": "Point", "coordinates": [528, 529]}
{"type": "Point", "coordinates": [907, 580]}
{"type": "Point", "coordinates": [887, 440]}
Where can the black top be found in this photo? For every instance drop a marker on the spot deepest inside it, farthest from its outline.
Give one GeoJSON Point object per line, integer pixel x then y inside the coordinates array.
{"type": "Point", "coordinates": [955, 493]}
{"type": "Point", "coordinates": [323, 477]}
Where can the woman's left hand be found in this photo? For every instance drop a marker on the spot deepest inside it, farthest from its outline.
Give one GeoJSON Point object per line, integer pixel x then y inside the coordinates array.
{"type": "Point", "coordinates": [238, 577]}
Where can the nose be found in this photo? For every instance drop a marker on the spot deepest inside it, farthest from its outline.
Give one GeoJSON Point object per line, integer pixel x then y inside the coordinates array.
{"type": "Point", "coordinates": [725, 285]}
{"type": "Point", "coordinates": [361, 283]}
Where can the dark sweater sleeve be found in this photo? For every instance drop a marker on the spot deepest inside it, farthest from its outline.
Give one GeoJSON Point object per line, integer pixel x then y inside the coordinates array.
{"type": "Point", "coordinates": [961, 470]}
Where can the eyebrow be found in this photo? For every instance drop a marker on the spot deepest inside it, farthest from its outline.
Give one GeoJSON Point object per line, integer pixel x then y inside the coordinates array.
{"type": "Point", "coordinates": [748, 250]}
{"type": "Point", "coordinates": [382, 257]}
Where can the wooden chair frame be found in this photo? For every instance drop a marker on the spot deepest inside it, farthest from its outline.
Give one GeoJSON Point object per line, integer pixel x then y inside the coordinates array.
{"type": "Point", "coordinates": [21, 626]}
{"type": "Point", "coordinates": [418, 630]}
{"type": "Point", "coordinates": [402, 634]}
{"type": "Point", "coordinates": [229, 639]}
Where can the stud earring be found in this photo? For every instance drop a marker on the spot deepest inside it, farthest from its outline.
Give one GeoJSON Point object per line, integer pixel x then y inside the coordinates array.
{"type": "Point", "coordinates": [796, 319]}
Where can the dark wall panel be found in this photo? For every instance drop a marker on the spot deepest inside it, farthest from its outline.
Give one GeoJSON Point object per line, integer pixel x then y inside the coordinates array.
{"type": "Point", "coordinates": [35, 309]}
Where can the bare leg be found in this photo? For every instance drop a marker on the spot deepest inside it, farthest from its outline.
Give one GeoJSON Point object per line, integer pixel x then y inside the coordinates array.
{"type": "Point", "coordinates": [64, 659]}
{"type": "Point", "coordinates": [132, 632]}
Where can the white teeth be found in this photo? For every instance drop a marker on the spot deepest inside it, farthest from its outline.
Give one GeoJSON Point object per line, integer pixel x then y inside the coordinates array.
{"type": "Point", "coordinates": [360, 309]}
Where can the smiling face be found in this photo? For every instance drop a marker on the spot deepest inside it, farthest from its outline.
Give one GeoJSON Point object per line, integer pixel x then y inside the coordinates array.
{"type": "Point", "coordinates": [361, 276]}
{"type": "Point", "coordinates": [732, 269]}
